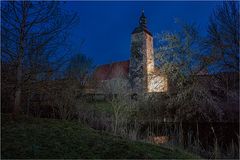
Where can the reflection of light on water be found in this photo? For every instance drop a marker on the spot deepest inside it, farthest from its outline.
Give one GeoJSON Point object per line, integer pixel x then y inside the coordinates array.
{"type": "Point", "coordinates": [159, 139]}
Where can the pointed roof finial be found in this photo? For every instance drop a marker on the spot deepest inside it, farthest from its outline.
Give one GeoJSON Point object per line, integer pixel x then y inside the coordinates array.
{"type": "Point", "coordinates": [142, 27]}
{"type": "Point", "coordinates": [143, 20]}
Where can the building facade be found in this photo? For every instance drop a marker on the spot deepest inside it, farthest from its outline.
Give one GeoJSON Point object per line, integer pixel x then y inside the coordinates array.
{"type": "Point", "coordinates": [139, 71]}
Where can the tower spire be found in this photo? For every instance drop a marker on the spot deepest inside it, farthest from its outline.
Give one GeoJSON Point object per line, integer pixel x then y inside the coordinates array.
{"type": "Point", "coordinates": [143, 20]}
{"type": "Point", "coordinates": [142, 25]}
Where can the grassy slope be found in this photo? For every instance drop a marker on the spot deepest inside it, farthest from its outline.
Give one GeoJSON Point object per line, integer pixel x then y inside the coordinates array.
{"type": "Point", "coordinates": [48, 138]}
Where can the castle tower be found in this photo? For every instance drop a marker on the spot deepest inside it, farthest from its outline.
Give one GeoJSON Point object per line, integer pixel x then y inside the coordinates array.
{"type": "Point", "coordinates": [142, 57]}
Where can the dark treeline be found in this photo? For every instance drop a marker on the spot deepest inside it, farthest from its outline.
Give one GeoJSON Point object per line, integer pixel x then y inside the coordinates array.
{"type": "Point", "coordinates": [34, 39]}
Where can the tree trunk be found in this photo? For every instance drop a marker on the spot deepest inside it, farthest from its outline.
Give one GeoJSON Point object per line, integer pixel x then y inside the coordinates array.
{"type": "Point", "coordinates": [17, 102]}
{"type": "Point", "coordinates": [18, 92]}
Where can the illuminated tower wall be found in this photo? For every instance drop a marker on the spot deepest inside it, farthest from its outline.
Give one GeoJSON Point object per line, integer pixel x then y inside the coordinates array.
{"type": "Point", "coordinates": [142, 58]}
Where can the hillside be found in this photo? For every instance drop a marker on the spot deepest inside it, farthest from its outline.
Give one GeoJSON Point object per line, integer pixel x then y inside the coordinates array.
{"type": "Point", "coordinates": [49, 138]}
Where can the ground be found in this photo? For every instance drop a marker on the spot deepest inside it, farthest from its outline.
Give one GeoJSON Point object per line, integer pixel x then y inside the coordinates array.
{"type": "Point", "coordinates": [28, 137]}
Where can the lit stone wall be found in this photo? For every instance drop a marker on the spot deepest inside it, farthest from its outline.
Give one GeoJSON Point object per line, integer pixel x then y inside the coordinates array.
{"type": "Point", "coordinates": [149, 55]}
{"type": "Point", "coordinates": [141, 70]}
{"type": "Point", "coordinates": [136, 68]}
{"type": "Point", "coordinates": [157, 83]}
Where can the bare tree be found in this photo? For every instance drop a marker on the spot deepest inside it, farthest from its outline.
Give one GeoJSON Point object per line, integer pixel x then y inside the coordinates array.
{"type": "Point", "coordinates": [223, 36]}
{"type": "Point", "coordinates": [223, 43]}
{"type": "Point", "coordinates": [79, 68]}
{"type": "Point", "coordinates": [31, 34]}
{"type": "Point", "coordinates": [76, 77]}
{"type": "Point", "coordinates": [119, 96]}
{"type": "Point", "coordinates": [182, 59]}
{"type": "Point", "coordinates": [64, 99]}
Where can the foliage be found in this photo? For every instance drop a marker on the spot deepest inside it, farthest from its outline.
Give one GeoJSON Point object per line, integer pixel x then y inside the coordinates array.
{"type": "Point", "coordinates": [181, 58]}
{"type": "Point", "coordinates": [179, 53]}
{"type": "Point", "coordinates": [195, 102]}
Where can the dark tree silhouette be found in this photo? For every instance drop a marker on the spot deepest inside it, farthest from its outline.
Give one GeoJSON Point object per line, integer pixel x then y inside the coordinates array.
{"type": "Point", "coordinates": [32, 31]}
{"type": "Point", "coordinates": [223, 36]}
{"type": "Point", "coordinates": [79, 68]}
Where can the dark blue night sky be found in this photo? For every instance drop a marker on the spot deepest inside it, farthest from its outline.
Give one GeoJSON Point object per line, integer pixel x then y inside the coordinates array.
{"type": "Point", "coordinates": [106, 26]}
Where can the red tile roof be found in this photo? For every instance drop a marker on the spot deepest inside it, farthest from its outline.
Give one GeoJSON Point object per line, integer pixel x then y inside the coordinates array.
{"type": "Point", "coordinates": [113, 70]}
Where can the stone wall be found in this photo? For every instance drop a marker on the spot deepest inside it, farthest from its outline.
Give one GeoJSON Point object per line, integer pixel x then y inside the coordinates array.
{"type": "Point", "coordinates": [141, 61]}
{"type": "Point", "coordinates": [157, 82]}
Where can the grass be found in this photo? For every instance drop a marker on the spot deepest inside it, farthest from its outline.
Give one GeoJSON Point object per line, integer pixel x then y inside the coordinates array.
{"type": "Point", "coordinates": [51, 138]}
{"type": "Point", "coordinates": [102, 106]}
